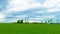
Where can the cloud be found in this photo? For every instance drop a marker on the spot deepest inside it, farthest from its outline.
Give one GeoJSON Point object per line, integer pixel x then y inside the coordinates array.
{"type": "Point", "coordinates": [46, 16]}
{"type": "Point", "coordinates": [13, 18]}
{"type": "Point", "coordinates": [24, 5]}
{"type": "Point", "coordinates": [37, 10]}
{"type": "Point", "coordinates": [42, 18]}
{"type": "Point", "coordinates": [40, 12]}
{"type": "Point", "coordinates": [21, 16]}
{"type": "Point", "coordinates": [50, 16]}
{"type": "Point", "coordinates": [51, 3]}
{"type": "Point", "coordinates": [53, 10]}
{"type": "Point", "coordinates": [2, 17]}
{"type": "Point", "coordinates": [21, 5]}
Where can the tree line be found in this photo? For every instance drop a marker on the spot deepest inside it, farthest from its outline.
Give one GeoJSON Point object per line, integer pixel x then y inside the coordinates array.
{"type": "Point", "coordinates": [46, 22]}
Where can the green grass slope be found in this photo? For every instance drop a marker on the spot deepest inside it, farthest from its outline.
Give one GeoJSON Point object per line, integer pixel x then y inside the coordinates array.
{"type": "Point", "coordinates": [29, 28]}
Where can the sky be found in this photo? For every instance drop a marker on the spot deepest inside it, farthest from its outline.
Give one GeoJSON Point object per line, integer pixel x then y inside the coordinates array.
{"type": "Point", "coordinates": [33, 10]}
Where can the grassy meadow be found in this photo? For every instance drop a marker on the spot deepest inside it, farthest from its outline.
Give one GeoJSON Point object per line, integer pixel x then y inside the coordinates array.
{"type": "Point", "coordinates": [29, 28]}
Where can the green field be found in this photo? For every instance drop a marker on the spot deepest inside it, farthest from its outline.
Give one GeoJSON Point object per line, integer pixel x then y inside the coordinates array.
{"type": "Point", "coordinates": [29, 28]}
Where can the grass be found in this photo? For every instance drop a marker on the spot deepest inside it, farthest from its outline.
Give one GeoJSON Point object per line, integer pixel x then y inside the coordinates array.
{"type": "Point", "coordinates": [29, 28]}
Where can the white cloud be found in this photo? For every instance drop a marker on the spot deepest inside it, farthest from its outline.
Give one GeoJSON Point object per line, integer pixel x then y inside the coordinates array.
{"type": "Point", "coordinates": [37, 19]}
{"type": "Point", "coordinates": [53, 10]}
{"type": "Point", "coordinates": [40, 12]}
{"type": "Point", "coordinates": [21, 16]}
{"type": "Point", "coordinates": [44, 17]}
{"type": "Point", "coordinates": [58, 5]}
{"type": "Point", "coordinates": [50, 3]}
{"type": "Point", "coordinates": [21, 5]}
{"type": "Point", "coordinates": [2, 17]}
{"type": "Point", "coordinates": [50, 16]}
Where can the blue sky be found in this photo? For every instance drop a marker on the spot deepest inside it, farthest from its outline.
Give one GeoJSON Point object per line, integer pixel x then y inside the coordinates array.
{"type": "Point", "coordinates": [33, 10]}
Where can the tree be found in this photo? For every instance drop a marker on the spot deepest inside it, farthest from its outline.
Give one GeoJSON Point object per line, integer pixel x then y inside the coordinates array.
{"type": "Point", "coordinates": [21, 21]}
{"type": "Point", "coordinates": [18, 21]}
{"type": "Point", "coordinates": [50, 21]}
{"type": "Point", "coordinates": [46, 22]}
